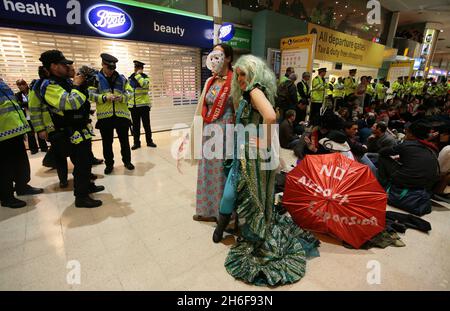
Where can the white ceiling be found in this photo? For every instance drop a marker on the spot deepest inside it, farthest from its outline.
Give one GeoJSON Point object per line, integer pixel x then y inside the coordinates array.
{"type": "Point", "coordinates": [417, 11]}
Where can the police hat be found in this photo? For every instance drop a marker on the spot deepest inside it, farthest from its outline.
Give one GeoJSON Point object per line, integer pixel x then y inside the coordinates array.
{"type": "Point", "coordinates": [352, 70]}
{"type": "Point", "coordinates": [54, 57]}
{"type": "Point", "coordinates": [108, 59]}
{"type": "Point", "coordinates": [138, 64]}
{"type": "Point", "coordinates": [322, 69]}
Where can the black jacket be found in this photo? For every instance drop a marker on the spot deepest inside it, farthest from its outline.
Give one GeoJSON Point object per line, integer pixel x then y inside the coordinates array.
{"type": "Point", "coordinates": [287, 95]}
{"type": "Point", "coordinates": [419, 164]}
{"type": "Point", "coordinates": [19, 98]}
{"type": "Point", "coordinates": [287, 134]}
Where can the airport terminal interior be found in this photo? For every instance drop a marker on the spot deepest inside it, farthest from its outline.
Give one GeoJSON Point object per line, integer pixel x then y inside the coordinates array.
{"type": "Point", "coordinates": [214, 145]}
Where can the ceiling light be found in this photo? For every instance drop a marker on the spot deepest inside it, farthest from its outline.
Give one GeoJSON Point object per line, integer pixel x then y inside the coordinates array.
{"type": "Point", "coordinates": [442, 30]}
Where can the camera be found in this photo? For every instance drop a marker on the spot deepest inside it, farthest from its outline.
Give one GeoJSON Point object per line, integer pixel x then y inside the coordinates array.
{"type": "Point", "coordinates": [89, 73]}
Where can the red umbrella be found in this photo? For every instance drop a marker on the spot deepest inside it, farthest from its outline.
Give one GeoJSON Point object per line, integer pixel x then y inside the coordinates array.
{"type": "Point", "coordinates": [335, 195]}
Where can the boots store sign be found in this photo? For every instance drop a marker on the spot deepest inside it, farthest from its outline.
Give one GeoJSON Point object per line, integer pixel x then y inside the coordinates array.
{"type": "Point", "coordinates": [107, 19]}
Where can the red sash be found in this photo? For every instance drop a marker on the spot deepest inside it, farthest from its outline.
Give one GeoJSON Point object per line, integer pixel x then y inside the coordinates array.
{"type": "Point", "coordinates": [218, 107]}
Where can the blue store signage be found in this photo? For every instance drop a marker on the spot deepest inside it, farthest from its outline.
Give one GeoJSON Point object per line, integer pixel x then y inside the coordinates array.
{"type": "Point", "coordinates": [226, 32]}
{"type": "Point", "coordinates": [109, 20]}
{"type": "Point", "coordinates": [106, 19]}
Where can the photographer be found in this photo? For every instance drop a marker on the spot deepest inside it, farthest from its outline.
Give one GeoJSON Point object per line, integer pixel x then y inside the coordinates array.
{"type": "Point", "coordinates": [69, 110]}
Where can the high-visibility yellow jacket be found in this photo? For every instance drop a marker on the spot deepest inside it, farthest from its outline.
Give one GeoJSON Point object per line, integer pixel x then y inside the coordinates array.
{"type": "Point", "coordinates": [370, 90]}
{"type": "Point", "coordinates": [318, 90]}
{"type": "Point", "coordinates": [107, 108]}
{"type": "Point", "coordinates": [140, 84]}
{"type": "Point", "coordinates": [380, 90]}
{"type": "Point", "coordinates": [418, 87]}
{"type": "Point", "coordinates": [12, 119]}
{"type": "Point", "coordinates": [338, 90]}
{"type": "Point", "coordinates": [350, 86]}
{"type": "Point", "coordinates": [39, 115]}
{"type": "Point", "coordinates": [67, 111]}
{"type": "Point", "coordinates": [397, 88]}
{"type": "Point", "coordinates": [330, 88]}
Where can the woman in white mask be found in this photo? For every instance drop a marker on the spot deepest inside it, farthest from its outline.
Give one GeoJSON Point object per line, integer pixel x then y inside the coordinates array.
{"type": "Point", "coordinates": [214, 111]}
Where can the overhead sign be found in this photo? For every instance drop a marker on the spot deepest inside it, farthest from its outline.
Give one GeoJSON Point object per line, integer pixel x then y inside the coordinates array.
{"type": "Point", "coordinates": [297, 52]}
{"type": "Point", "coordinates": [226, 32]}
{"type": "Point", "coordinates": [109, 20]}
{"type": "Point", "coordinates": [242, 39]}
{"type": "Point", "coordinates": [335, 46]}
{"type": "Point", "coordinates": [131, 21]}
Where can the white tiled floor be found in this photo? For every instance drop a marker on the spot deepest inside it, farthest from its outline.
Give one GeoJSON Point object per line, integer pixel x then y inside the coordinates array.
{"type": "Point", "coordinates": [143, 238]}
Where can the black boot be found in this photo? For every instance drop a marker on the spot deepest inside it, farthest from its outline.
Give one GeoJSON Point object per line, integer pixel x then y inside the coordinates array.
{"type": "Point", "coordinates": [87, 202]}
{"type": "Point", "coordinates": [221, 225]}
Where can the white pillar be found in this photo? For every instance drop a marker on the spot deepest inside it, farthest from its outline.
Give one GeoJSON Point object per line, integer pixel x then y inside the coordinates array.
{"type": "Point", "coordinates": [215, 10]}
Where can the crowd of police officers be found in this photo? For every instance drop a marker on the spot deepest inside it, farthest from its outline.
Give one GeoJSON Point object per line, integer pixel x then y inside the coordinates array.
{"type": "Point", "coordinates": [348, 92]}
{"type": "Point", "coordinates": [58, 109]}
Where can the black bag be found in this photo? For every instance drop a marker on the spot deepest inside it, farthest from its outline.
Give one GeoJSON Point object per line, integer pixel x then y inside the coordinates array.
{"type": "Point", "coordinates": [414, 201]}
{"type": "Point", "coordinates": [282, 100]}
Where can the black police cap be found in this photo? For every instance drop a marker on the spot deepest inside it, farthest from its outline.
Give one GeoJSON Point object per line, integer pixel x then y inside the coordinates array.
{"type": "Point", "coordinates": [138, 63]}
{"type": "Point", "coordinates": [322, 69]}
{"type": "Point", "coordinates": [108, 59]}
{"type": "Point", "coordinates": [54, 57]}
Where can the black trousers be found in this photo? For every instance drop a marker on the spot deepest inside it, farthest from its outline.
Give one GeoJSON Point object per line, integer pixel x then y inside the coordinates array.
{"type": "Point", "coordinates": [60, 149]}
{"type": "Point", "coordinates": [32, 144]}
{"type": "Point", "coordinates": [315, 113]}
{"type": "Point", "coordinates": [386, 168]}
{"type": "Point", "coordinates": [82, 164]}
{"type": "Point", "coordinates": [138, 114]}
{"type": "Point", "coordinates": [107, 127]}
{"type": "Point", "coordinates": [14, 167]}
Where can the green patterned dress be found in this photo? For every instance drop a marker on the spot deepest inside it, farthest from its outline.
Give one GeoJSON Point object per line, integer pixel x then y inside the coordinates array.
{"type": "Point", "coordinates": [273, 249]}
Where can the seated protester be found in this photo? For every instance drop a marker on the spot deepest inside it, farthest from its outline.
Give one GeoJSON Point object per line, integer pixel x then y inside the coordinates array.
{"type": "Point", "coordinates": [444, 162]}
{"type": "Point", "coordinates": [335, 142]}
{"type": "Point", "coordinates": [329, 121]}
{"type": "Point", "coordinates": [394, 119]}
{"type": "Point", "coordinates": [379, 138]}
{"type": "Point", "coordinates": [359, 150]}
{"type": "Point", "coordinates": [288, 138]}
{"type": "Point", "coordinates": [343, 114]}
{"type": "Point", "coordinates": [417, 167]}
{"type": "Point", "coordinates": [365, 130]}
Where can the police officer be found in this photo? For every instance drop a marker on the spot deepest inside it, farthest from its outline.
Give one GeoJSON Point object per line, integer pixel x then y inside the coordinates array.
{"type": "Point", "coordinates": [14, 163]}
{"type": "Point", "coordinates": [338, 93]}
{"type": "Point", "coordinates": [350, 84]}
{"type": "Point", "coordinates": [140, 105]}
{"type": "Point", "coordinates": [111, 94]}
{"type": "Point", "coordinates": [305, 96]}
{"type": "Point", "coordinates": [69, 110]}
{"type": "Point", "coordinates": [318, 91]}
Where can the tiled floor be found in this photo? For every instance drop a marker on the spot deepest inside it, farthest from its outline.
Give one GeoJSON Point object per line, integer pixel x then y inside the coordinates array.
{"type": "Point", "coordinates": [143, 238]}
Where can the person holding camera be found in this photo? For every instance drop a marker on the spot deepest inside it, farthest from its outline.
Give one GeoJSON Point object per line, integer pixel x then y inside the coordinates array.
{"type": "Point", "coordinates": [111, 94]}
{"type": "Point", "coordinates": [69, 110]}
{"type": "Point", "coordinates": [140, 105]}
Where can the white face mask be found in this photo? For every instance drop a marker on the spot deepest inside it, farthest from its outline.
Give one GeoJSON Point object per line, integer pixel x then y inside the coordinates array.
{"type": "Point", "coordinates": [215, 60]}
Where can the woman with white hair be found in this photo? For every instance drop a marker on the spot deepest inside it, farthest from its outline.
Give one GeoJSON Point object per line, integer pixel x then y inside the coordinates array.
{"type": "Point", "coordinates": [272, 249]}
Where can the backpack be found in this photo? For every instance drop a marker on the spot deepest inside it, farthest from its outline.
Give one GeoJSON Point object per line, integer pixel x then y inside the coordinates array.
{"type": "Point", "coordinates": [282, 100]}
